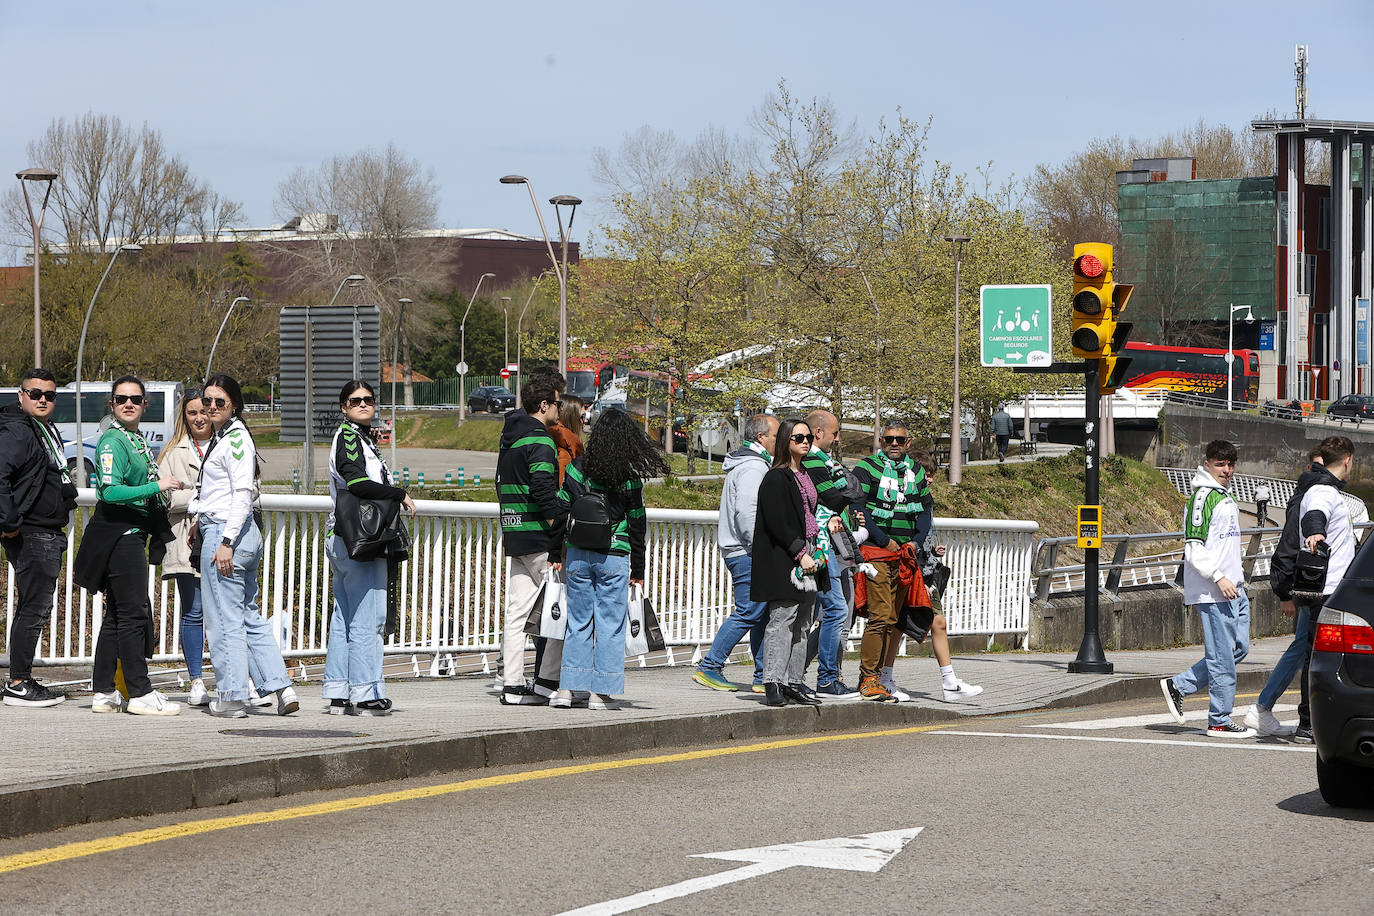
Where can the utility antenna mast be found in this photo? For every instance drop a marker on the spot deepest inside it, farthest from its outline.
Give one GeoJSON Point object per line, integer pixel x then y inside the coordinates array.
{"type": "Point", "coordinates": [1300, 74]}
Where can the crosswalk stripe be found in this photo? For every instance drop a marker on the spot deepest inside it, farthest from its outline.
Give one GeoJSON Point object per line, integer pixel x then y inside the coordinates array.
{"type": "Point", "coordinates": [1139, 721]}
{"type": "Point", "coordinates": [1225, 743]}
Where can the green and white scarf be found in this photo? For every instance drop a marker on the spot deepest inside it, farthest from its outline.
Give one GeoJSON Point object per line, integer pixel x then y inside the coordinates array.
{"type": "Point", "coordinates": [140, 445]}
{"type": "Point", "coordinates": [758, 450]}
{"type": "Point", "coordinates": [897, 486]}
{"type": "Point", "coordinates": [823, 512]}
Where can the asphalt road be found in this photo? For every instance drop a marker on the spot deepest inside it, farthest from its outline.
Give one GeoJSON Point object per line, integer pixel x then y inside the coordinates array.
{"type": "Point", "coordinates": [1019, 814]}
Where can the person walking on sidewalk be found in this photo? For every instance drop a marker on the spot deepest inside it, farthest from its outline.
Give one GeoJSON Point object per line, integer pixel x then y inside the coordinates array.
{"type": "Point", "coordinates": [230, 554]}
{"type": "Point", "coordinates": [37, 496]}
{"type": "Point", "coordinates": [828, 475]}
{"type": "Point", "coordinates": [531, 523]}
{"type": "Point", "coordinates": [127, 534]}
{"type": "Point", "coordinates": [739, 502]}
{"type": "Point", "coordinates": [1002, 428]}
{"type": "Point", "coordinates": [1214, 582]}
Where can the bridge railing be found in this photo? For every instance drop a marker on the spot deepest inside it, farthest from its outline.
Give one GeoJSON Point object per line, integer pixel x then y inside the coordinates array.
{"type": "Point", "coordinates": [452, 591]}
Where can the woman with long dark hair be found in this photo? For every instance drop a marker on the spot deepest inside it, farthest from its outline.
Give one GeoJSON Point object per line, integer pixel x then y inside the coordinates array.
{"type": "Point", "coordinates": [785, 572]}
{"type": "Point", "coordinates": [127, 532]}
{"type": "Point", "coordinates": [619, 458]}
{"type": "Point", "coordinates": [353, 663]}
{"type": "Point", "coordinates": [230, 553]}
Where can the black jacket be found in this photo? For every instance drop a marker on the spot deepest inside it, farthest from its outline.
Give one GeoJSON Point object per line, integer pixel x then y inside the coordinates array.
{"type": "Point", "coordinates": [33, 491]}
{"type": "Point", "coordinates": [532, 514]}
{"type": "Point", "coordinates": [779, 535]}
{"type": "Point", "coordinates": [1285, 558]}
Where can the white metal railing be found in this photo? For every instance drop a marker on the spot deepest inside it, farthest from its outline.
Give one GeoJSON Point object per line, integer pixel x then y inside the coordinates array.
{"type": "Point", "coordinates": [1243, 487]}
{"type": "Point", "coordinates": [453, 588]}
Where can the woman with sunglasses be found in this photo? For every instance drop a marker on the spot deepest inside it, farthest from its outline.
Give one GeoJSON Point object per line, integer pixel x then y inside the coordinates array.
{"type": "Point", "coordinates": [181, 458]}
{"type": "Point", "coordinates": [127, 532]}
{"type": "Point", "coordinates": [230, 553]}
{"type": "Point", "coordinates": [785, 573]}
{"type": "Point", "coordinates": [353, 682]}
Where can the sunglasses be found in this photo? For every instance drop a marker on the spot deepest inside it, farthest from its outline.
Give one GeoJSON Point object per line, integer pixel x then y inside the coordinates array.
{"type": "Point", "coordinates": [894, 440]}
{"type": "Point", "coordinates": [39, 394]}
{"type": "Point", "coordinates": [221, 403]}
{"type": "Point", "coordinates": [137, 400]}
{"type": "Point", "coordinates": [367, 399]}
{"type": "Point", "coordinates": [803, 437]}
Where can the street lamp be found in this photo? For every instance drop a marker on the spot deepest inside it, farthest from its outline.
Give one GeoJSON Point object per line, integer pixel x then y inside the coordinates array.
{"type": "Point", "coordinates": [49, 176]}
{"type": "Point", "coordinates": [1230, 343]}
{"type": "Point", "coordinates": [877, 345]}
{"type": "Point", "coordinates": [396, 355]}
{"type": "Point", "coordinates": [505, 311]}
{"type": "Point", "coordinates": [519, 326]}
{"type": "Point", "coordinates": [562, 272]}
{"type": "Point", "coordinates": [956, 469]}
{"type": "Point", "coordinates": [81, 353]}
{"type": "Point", "coordinates": [227, 312]}
{"type": "Point", "coordinates": [463, 351]}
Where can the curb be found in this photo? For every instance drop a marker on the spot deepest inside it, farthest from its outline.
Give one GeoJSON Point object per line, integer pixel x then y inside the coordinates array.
{"type": "Point", "coordinates": [39, 808]}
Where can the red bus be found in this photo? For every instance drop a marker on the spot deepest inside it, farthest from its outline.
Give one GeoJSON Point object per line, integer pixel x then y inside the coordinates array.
{"type": "Point", "coordinates": [1198, 371]}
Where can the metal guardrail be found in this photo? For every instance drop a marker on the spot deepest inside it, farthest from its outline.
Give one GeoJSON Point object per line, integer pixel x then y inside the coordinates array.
{"type": "Point", "coordinates": [1244, 487]}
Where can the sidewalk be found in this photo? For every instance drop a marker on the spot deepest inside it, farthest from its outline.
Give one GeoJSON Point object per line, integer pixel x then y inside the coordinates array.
{"type": "Point", "coordinates": [104, 767]}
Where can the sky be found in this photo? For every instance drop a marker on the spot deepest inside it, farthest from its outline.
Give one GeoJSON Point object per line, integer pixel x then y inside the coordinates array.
{"type": "Point", "coordinates": [247, 92]}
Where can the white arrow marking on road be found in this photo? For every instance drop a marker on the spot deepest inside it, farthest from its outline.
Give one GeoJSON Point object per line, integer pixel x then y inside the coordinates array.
{"type": "Point", "coordinates": [1139, 721]}
{"type": "Point", "coordinates": [868, 852]}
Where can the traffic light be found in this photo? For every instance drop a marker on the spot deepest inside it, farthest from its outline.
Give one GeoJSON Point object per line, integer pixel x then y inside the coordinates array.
{"type": "Point", "coordinates": [1111, 368]}
{"type": "Point", "coordinates": [1092, 299]}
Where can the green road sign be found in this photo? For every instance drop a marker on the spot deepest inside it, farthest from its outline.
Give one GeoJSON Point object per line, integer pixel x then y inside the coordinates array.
{"type": "Point", "coordinates": [1016, 326]}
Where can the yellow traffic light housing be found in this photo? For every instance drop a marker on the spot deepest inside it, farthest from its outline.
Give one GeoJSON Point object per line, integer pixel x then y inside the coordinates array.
{"type": "Point", "coordinates": [1112, 365]}
{"type": "Point", "coordinates": [1092, 299]}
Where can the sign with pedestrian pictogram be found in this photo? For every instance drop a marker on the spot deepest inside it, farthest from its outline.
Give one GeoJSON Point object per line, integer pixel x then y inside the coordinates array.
{"type": "Point", "coordinates": [1015, 325]}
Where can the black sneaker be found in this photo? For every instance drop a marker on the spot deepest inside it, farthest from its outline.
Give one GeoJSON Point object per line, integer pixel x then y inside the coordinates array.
{"type": "Point", "coordinates": [380, 707]}
{"type": "Point", "coordinates": [1173, 699]}
{"type": "Point", "coordinates": [1303, 735]}
{"type": "Point", "coordinates": [524, 695]}
{"type": "Point", "coordinates": [31, 693]}
{"type": "Point", "coordinates": [339, 708]}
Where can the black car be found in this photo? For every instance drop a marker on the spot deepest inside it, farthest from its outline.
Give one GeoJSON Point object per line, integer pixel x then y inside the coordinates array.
{"type": "Point", "coordinates": [491, 398]}
{"type": "Point", "coordinates": [1359, 406]}
{"type": "Point", "coordinates": [1342, 687]}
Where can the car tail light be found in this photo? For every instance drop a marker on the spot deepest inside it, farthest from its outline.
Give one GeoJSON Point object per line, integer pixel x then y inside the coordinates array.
{"type": "Point", "coordinates": [1338, 631]}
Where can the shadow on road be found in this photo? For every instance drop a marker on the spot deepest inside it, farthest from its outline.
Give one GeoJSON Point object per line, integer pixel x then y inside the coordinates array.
{"type": "Point", "coordinates": [1311, 803]}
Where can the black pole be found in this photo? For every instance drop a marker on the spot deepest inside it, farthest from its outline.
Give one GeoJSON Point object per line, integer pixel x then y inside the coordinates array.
{"type": "Point", "coordinates": [1091, 659]}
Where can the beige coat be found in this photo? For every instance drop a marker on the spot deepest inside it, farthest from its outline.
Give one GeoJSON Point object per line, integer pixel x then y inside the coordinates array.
{"type": "Point", "coordinates": [183, 463]}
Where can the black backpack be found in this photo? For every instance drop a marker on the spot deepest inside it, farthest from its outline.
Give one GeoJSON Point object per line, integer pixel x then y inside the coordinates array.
{"type": "Point", "coordinates": [589, 522]}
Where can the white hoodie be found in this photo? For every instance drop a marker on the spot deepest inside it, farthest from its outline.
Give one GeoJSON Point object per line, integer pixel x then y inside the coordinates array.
{"type": "Point", "coordinates": [1211, 541]}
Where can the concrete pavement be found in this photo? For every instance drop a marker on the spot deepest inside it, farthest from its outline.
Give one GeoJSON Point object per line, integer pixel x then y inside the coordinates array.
{"type": "Point", "coordinates": [64, 765]}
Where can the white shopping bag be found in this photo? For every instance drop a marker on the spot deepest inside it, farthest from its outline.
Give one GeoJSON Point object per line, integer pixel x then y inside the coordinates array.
{"type": "Point", "coordinates": [636, 633]}
{"type": "Point", "coordinates": [549, 616]}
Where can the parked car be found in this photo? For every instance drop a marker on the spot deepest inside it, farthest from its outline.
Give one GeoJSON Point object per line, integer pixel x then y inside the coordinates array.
{"type": "Point", "coordinates": [1359, 406]}
{"type": "Point", "coordinates": [1342, 687]}
{"type": "Point", "coordinates": [491, 398]}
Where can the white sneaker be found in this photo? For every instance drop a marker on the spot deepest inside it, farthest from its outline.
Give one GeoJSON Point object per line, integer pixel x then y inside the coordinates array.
{"type": "Point", "coordinates": [107, 702]}
{"type": "Point", "coordinates": [199, 695]}
{"type": "Point", "coordinates": [287, 702]}
{"type": "Point", "coordinates": [602, 701]}
{"type": "Point", "coordinates": [255, 700]}
{"type": "Point", "coordinates": [1264, 722]}
{"type": "Point", "coordinates": [229, 709]}
{"type": "Point", "coordinates": [961, 692]}
{"type": "Point", "coordinates": [153, 703]}
{"type": "Point", "coordinates": [562, 699]}
{"type": "Point", "coordinates": [898, 694]}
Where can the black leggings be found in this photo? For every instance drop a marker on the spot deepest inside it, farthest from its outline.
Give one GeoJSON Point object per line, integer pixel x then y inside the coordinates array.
{"type": "Point", "coordinates": [125, 631]}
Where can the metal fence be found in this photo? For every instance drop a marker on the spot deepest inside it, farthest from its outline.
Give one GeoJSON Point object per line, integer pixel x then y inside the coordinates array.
{"type": "Point", "coordinates": [453, 588]}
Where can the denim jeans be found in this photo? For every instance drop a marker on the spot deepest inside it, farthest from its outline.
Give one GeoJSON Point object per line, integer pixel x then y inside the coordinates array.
{"type": "Point", "coordinates": [237, 631]}
{"type": "Point", "coordinates": [36, 560]}
{"type": "Point", "coordinates": [353, 661]}
{"type": "Point", "coordinates": [748, 617]}
{"type": "Point", "coordinates": [1290, 663]}
{"type": "Point", "coordinates": [827, 642]}
{"type": "Point", "coordinates": [598, 592]}
{"type": "Point", "coordinates": [784, 648]}
{"type": "Point", "coordinates": [192, 624]}
{"type": "Point", "coordinates": [1226, 633]}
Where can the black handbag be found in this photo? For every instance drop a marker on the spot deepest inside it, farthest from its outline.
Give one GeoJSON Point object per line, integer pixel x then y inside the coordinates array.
{"type": "Point", "coordinates": [371, 528]}
{"type": "Point", "coordinates": [1309, 573]}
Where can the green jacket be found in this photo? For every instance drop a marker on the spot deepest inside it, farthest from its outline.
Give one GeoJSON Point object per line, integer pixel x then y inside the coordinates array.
{"type": "Point", "coordinates": [122, 470]}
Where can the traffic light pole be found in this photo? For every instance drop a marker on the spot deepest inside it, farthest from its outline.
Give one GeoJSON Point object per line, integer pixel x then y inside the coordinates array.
{"type": "Point", "coordinates": [1091, 659]}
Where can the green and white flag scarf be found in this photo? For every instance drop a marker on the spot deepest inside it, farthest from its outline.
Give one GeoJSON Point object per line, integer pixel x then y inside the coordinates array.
{"type": "Point", "coordinates": [897, 486]}
{"type": "Point", "coordinates": [823, 512]}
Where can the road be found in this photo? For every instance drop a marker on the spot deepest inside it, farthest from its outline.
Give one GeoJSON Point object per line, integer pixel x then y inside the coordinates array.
{"type": "Point", "coordinates": [280, 461]}
{"type": "Point", "coordinates": [1092, 809]}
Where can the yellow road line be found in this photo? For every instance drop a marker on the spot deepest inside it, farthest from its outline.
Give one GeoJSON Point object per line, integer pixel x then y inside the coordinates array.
{"type": "Point", "coordinates": [78, 850]}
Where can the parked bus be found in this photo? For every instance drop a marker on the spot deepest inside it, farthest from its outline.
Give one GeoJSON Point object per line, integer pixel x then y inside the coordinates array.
{"type": "Point", "coordinates": [1197, 371]}
{"type": "Point", "coordinates": [582, 377]}
{"type": "Point", "coordinates": [156, 426]}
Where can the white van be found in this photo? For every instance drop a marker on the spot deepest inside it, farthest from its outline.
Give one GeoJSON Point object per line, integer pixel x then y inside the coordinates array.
{"type": "Point", "coordinates": [158, 420]}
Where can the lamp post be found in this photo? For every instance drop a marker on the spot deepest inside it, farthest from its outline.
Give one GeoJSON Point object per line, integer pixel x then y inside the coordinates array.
{"type": "Point", "coordinates": [562, 272]}
{"type": "Point", "coordinates": [956, 457]}
{"type": "Point", "coordinates": [463, 351]}
{"type": "Point", "coordinates": [308, 454]}
{"type": "Point", "coordinates": [505, 312]}
{"type": "Point", "coordinates": [227, 312]}
{"type": "Point", "coordinates": [1230, 344]}
{"type": "Point", "coordinates": [877, 389]}
{"type": "Point", "coordinates": [81, 353]}
{"type": "Point", "coordinates": [396, 355]}
{"type": "Point", "coordinates": [271, 396]}
{"type": "Point", "coordinates": [519, 324]}
{"type": "Point", "coordinates": [49, 176]}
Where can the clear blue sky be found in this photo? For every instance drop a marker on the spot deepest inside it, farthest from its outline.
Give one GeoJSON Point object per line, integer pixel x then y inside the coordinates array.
{"type": "Point", "coordinates": [246, 92]}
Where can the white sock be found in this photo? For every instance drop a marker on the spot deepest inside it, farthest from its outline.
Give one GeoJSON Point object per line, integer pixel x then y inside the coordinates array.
{"type": "Point", "coordinates": [947, 677]}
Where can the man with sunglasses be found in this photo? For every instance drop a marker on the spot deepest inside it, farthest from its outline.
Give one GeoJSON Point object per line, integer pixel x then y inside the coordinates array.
{"type": "Point", "coordinates": [37, 496]}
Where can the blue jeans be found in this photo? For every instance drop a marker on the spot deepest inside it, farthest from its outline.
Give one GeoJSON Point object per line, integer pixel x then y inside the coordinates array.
{"type": "Point", "coordinates": [1290, 663]}
{"type": "Point", "coordinates": [237, 630]}
{"type": "Point", "coordinates": [1226, 633]}
{"type": "Point", "coordinates": [826, 643]}
{"type": "Point", "coordinates": [192, 624]}
{"type": "Point", "coordinates": [598, 592]}
{"type": "Point", "coordinates": [749, 617]}
{"type": "Point", "coordinates": [353, 661]}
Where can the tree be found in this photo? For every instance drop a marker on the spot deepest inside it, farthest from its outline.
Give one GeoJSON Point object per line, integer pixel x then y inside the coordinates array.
{"type": "Point", "coordinates": [369, 206]}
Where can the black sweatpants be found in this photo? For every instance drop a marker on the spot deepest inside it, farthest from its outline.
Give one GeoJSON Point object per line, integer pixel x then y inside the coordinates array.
{"type": "Point", "coordinates": [128, 619]}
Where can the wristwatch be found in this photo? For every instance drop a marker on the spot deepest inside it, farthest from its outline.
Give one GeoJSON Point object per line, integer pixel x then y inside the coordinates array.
{"type": "Point", "coordinates": [225, 542]}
